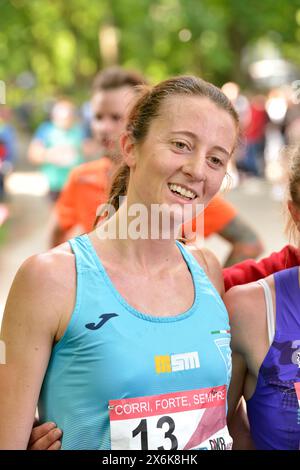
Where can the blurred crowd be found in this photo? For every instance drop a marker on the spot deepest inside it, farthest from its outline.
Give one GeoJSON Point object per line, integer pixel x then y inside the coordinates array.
{"type": "Point", "coordinates": [72, 135]}
{"type": "Point", "coordinates": [270, 123]}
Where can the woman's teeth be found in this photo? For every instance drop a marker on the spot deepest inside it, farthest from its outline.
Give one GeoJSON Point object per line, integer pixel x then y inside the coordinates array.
{"type": "Point", "coordinates": [175, 188]}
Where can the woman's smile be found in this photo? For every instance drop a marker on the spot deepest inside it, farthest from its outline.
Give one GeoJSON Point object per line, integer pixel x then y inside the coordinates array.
{"type": "Point", "coordinates": [182, 192]}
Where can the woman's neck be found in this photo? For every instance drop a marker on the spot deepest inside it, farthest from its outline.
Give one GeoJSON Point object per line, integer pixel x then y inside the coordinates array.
{"type": "Point", "coordinates": [129, 234]}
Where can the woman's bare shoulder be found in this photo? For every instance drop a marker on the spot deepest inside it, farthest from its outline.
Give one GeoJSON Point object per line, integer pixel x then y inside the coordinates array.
{"type": "Point", "coordinates": [212, 267]}
{"type": "Point", "coordinates": [51, 265]}
{"type": "Point", "coordinates": [247, 313]}
{"type": "Point", "coordinates": [45, 282]}
{"type": "Point", "coordinates": [244, 300]}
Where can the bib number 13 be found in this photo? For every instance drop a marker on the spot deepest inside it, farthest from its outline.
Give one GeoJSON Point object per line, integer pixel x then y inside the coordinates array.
{"type": "Point", "coordinates": [166, 423]}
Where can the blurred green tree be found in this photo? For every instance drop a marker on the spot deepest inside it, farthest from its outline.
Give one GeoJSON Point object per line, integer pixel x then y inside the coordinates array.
{"type": "Point", "coordinates": [61, 44]}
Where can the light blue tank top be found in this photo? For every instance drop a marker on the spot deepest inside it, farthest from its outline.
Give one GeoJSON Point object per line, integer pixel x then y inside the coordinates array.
{"type": "Point", "coordinates": [111, 351]}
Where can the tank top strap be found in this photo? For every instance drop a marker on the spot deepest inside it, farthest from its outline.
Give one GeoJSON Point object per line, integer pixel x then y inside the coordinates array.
{"type": "Point", "coordinates": [287, 299]}
{"type": "Point", "coordinates": [196, 270]}
{"type": "Point", "coordinates": [190, 260]}
{"type": "Point", "coordinates": [269, 309]}
{"type": "Point", "coordinates": [84, 253]}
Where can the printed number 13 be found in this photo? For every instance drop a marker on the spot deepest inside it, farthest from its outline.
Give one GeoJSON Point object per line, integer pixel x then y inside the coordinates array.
{"type": "Point", "coordinates": [142, 429]}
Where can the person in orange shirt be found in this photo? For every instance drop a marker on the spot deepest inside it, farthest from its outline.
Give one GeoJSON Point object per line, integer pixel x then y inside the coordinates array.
{"type": "Point", "coordinates": [88, 184]}
{"type": "Point", "coordinates": [222, 218]}
{"type": "Point", "coordinates": [86, 189]}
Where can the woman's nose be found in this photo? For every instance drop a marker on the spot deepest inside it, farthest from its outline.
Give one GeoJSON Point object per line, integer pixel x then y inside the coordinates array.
{"type": "Point", "coordinates": [195, 167]}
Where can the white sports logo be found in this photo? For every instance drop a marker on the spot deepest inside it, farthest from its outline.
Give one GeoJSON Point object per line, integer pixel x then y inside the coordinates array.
{"type": "Point", "coordinates": [176, 362]}
{"type": "Point", "coordinates": [185, 361]}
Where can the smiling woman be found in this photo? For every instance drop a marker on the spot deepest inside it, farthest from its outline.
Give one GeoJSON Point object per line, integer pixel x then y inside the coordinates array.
{"type": "Point", "coordinates": [181, 148]}
{"type": "Point", "coordinates": [183, 127]}
{"type": "Point", "coordinates": [131, 320]}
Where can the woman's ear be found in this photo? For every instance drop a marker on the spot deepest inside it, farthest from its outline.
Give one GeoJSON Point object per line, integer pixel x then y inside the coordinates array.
{"type": "Point", "coordinates": [295, 213]}
{"type": "Point", "coordinates": [128, 149]}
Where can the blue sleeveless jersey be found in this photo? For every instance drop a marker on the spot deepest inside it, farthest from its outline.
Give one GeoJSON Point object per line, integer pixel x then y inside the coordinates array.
{"type": "Point", "coordinates": [111, 351]}
{"type": "Point", "coordinates": [274, 408]}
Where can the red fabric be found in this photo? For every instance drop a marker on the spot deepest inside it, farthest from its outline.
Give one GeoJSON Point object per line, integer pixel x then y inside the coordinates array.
{"type": "Point", "coordinates": [256, 128]}
{"type": "Point", "coordinates": [251, 270]}
{"type": "Point", "coordinates": [3, 151]}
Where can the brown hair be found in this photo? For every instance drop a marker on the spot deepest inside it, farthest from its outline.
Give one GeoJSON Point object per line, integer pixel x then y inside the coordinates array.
{"type": "Point", "coordinates": [293, 154]}
{"type": "Point", "coordinates": [116, 77]}
{"type": "Point", "coordinates": [147, 107]}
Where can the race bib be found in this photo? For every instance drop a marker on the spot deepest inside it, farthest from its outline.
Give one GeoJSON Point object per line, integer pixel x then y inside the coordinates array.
{"type": "Point", "coordinates": [195, 419]}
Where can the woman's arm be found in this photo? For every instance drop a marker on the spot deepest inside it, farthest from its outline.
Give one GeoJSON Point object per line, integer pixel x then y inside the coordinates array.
{"type": "Point", "coordinates": [30, 324]}
{"type": "Point", "coordinates": [251, 270]}
{"type": "Point", "coordinates": [245, 305]}
{"type": "Point", "coordinates": [237, 420]}
{"type": "Point", "coordinates": [239, 366]}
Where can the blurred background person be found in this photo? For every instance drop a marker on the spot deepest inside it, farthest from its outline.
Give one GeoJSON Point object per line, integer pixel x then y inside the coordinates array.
{"type": "Point", "coordinates": [7, 147]}
{"type": "Point", "coordinates": [7, 157]}
{"type": "Point", "coordinates": [88, 185]}
{"type": "Point", "coordinates": [241, 103]}
{"type": "Point", "coordinates": [254, 133]}
{"type": "Point", "coordinates": [57, 145]}
{"type": "Point", "coordinates": [223, 219]}
{"type": "Point", "coordinates": [275, 164]}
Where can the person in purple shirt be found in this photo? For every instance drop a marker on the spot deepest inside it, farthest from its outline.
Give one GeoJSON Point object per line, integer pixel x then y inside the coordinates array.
{"type": "Point", "coordinates": [265, 328]}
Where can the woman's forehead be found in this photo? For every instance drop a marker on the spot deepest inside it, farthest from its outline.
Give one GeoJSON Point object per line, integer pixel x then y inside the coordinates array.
{"type": "Point", "coordinates": [193, 111]}
{"type": "Point", "coordinates": [188, 105]}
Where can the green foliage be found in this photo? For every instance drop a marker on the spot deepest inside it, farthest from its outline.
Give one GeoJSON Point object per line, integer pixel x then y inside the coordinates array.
{"type": "Point", "coordinates": [58, 40]}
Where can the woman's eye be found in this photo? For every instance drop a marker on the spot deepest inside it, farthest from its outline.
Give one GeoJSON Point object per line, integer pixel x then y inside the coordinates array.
{"type": "Point", "coordinates": [181, 145]}
{"type": "Point", "coordinates": [216, 161]}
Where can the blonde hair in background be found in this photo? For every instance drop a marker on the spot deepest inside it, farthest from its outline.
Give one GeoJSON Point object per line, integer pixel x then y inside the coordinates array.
{"type": "Point", "coordinates": [292, 154]}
